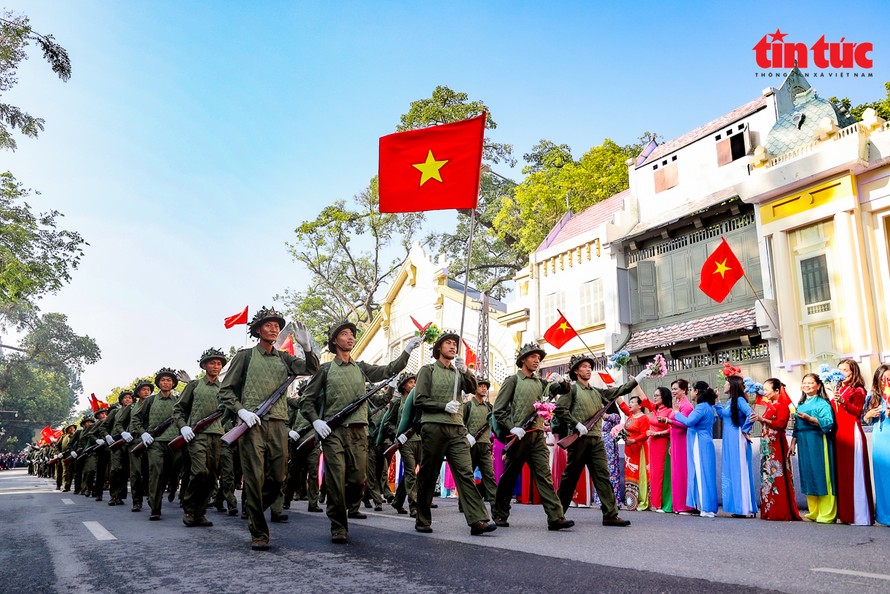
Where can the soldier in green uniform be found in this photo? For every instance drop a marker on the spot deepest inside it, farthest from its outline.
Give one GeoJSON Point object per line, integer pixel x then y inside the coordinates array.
{"type": "Point", "coordinates": [476, 411]}
{"type": "Point", "coordinates": [120, 458]}
{"type": "Point", "coordinates": [254, 374]}
{"type": "Point", "coordinates": [198, 400]}
{"type": "Point", "coordinates": [512, 408]}
{"type": "Point", "coordinates": [443, 434]}
{"type": "Point", "coordinates": [77, 441]}
{"type": "Point", "coordinates": [374, 490]}
{"type": "Point", "coordinates": [336, 385]}
{"type": "Point", "coordinates": [573, 409]}
{"type": "Point", "coordinates": [400, 419]}
{"type": "Point", "coordinates": [162, 461]}
{"type": "Point", "coordinates": [102, 431]}
{"type": "Point", "coordinates": [65, 450]}
{"type": "Point", "coordinates": [228, 461]}
{"type": "Point", "coordinates": [138, 462]}
{"type": "Point", "coordinates": [94, 484]}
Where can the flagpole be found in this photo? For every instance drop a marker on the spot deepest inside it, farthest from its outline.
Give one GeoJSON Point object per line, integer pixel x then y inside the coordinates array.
{"type": "Point", "coordinates": [463, 311]}
{"type": "Point", "coordinates": [756, 296]}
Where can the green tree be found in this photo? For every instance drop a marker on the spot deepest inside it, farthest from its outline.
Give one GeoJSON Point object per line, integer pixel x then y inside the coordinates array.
{"type": "Point", "coordinates": [881, 107]}
{"type": "Point", "coordinates": [350, 253]}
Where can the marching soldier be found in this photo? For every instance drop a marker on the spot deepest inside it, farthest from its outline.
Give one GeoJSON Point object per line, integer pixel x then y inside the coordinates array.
{"type": "Point", "coordinates": [253, 376]}
{"type": "Point", "coordinates": [76, 446]}
{"type": "Point", "coordinates": [476, 411]}
{"type": "Point", "coordinates": [400, 419]}
{"type": "Point", "coordinates": [120, 458]}
{"type": "Point", "coordinates": [443, 434]}
{"type": "Point", "coordinates": [138, 462]}
{"type": "Point", "coordinates": [514, 405]}
{"type": "Point", "coordinates": [228, 461]}
{"type": "Point", "coordinates": [336, 385]}
{"type": "Point", "coordinates": [162, 461]}
{"type": "Point", "coordinates": [65, 449]}
{"type": "Point", "coordinates": [574, 408]}
{"type": "Point", "coordinates": [198, 400]}
{"type": "Point", "coordinates": [93, 483]}
{"type": "Point", "coordinates": [375, 458]}
{"type": "Point", "coordinates": [102, 433]}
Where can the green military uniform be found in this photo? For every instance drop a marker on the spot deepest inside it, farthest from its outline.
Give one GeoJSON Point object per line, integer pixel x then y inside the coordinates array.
{"type": "Point", "coordinates": [476, 420]}
{"type": "Point", "coordinates": [162, 461]}
{"type": "Point", "coordinates": [138, 462]}
{"type": "Point", "coordinates": [578, 406]}
{"type": "Point", "coordinates": [336, 385]}
{"type": "Point", "coordinates": [75, 447]}
{"type": "Point", "coordinates": [253, 376]}
{"type": "Point", "coordinates": [443, 435]}
{"type": "Point", "coordinates": [514, 405]}
{"type": "Point", "coordinates": [199, 400]}
{"type": "Point", "coordinates": [375, 458]}
{"type": "Point", "coordinates": [228, 460]}
{"type": "Point", "coordinates": [410, 454]}
{"type": "Point", "coordinates": [120, 458]}
{"type": "Point", "coordinates": [306, 462]}
{"type": "Point", "coordinates": [88, 440]}
{"type": "Point", "coordinates": [102, 455]}
{"type": "Point", "coordinates": [65, 451]}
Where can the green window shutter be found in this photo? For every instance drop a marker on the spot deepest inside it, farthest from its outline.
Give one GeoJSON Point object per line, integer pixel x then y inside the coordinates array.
{"type": "Point", "coordinates": [647, 290]}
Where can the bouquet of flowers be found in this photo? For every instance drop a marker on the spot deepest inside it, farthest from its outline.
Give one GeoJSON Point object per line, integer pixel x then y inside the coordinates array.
{"type": "Point", "coordinates": [545, 410]}
{"type": "Point", "coordinates": [830, 375]}
{"type": "Point", "coordinates": [728, 371]}
{"type": "Point", "coordinates": [619, 360]}
{"type": "Point", "coordinates": [430, 333]}
{"type": "Point", "coordinates": [618, 432]}
{"type": "Point", "coordinates": [753, 388]}
{"type": "Point", "coordinates": [658, 367]}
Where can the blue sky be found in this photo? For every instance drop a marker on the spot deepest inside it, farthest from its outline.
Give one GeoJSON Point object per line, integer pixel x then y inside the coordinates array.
{"type": "Point", "coordinates": [194, 136]}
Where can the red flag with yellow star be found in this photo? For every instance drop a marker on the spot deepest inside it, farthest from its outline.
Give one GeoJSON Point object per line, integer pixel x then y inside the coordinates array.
{"type": "Point", "coordinates": [432, 168]}
{"type": "Point", "coordinates": [560, 332]}
{"type": "Point", "coordinates": [720, 272]}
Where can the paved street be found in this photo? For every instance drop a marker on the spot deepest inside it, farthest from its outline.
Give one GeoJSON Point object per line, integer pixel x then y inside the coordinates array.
{"type": "Point", "coordinates": [58, 542]}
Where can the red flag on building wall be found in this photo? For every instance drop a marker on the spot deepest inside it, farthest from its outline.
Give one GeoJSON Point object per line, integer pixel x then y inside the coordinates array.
{"type": "Point", "coordinates": [432, 168]}
{"type": "Point", "coordinates": [560, 332]}
{"type": "Point", "coordinates": [238, 318]}
{"type": "Point", "coordinates": [720, 272]}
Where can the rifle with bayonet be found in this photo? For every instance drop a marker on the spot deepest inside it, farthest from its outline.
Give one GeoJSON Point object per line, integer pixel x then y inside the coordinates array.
{"type": "Point", "coordinates": [341, 416]}
{"type": "Point", "coordinates": [265, 406]}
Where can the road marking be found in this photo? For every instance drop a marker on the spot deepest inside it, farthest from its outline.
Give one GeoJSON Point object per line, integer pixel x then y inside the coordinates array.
{"type": "Point", "coordinates": [99, 531]}
{"type": "Point", "coordinates": [398, 517]}
{"type": "Point", "coordinates": [875, 576]}
{"type": "Point", "coordinates": [68, 501]}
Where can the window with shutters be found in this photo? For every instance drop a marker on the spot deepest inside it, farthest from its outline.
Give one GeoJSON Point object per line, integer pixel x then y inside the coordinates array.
{"type": "Point", "coordinates": [552, 302]}
{"type": "Point", "coordinates": [666, 177]}
{"type": "Point", "coordinates": [732, 145]}
{"type": "Point", "coordinates": [593, 307]}
{"type": "Point", "coordinates": [816, 288]}
{"type": "Point", "coordinates": [647, 291]}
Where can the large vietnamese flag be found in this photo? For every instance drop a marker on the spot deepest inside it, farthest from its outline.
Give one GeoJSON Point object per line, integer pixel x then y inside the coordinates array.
{"type": "Point", "coordinates": [432, 168]}
{"type": "Point", "coordinates": [720, 272]}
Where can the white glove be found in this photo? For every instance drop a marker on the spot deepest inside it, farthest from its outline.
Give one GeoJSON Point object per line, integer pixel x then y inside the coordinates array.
{"type": "Point", "coordinates": [293, 435]}
{"type": "Point", "coordinates": [412, 344]}
{"type": "Point", "coordinates": [100, 441]}
{"type": "Point", "coordinates": [471, 439]}
{"type": "Point", "coordinates": [519, 432]}
{"type": "Point", "coordinates": [301, 336]}
{"type": "Point", "coordinates": [394, 383]}
{"type": "Point", "coordinates": [556, 378]}
{"type": "Point", "coordinates": [402, 439]}
{"type": "Point", "coordinates": [581, 429]}
{"type": "Point", "coordinates": [452, 407]}
{"type": "Point", "coordinates": [249, 417]}
{"type": "Point", "coordinates": [321, 428]}
{"type": "Point", "coordinates": [73, 454]}
{"type": "Point", "coordinates": [187, 433]}
{"type": "Point", "coordinates": [147, 439]}
{"type": "Point", "coordinates": [109, 440]}
{"type": "Point", "coordinates": [460, 364]}
{"type": "Point", "coordinates": [128, 437]}
{"type": "Point", "coordinates": [643, 375]}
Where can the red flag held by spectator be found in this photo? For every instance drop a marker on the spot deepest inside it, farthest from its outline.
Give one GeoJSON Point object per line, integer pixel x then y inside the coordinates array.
{"type": "Point", "coordinates": [720, 272]}
{"type": "Point", "coordinates": [238, 318]}
{"type": "Point", "coordinates": [560, 332]}
{"type": "Point", "coordinates": [432, 168]}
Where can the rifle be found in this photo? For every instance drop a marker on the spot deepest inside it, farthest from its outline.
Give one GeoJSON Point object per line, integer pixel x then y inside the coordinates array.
{"type": "Point", "coordinates": [528, 424]}
{"type": "Point", "coordinates": [84, 452]}
{"type": "Point", "coordinates": [179, 440]}
{"type": "Point", "coordinates": [265, 406]}
{"type": "Point", "coordinates": [344, 413]}
{"type": "Point", "coordinates": [392, 449]}
{"type": "Point", "coordinates": [154, 432]}
{"type": "Point", "coordinates": [569, 439]}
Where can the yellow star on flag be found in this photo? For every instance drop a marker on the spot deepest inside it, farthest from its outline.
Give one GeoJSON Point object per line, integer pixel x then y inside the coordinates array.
{"type": "Point", "coordinates": [429, 169]}
{"type": "Point", "coordinates": [722, 268]}
{"type": "Point", "coordinates": [564, 326]}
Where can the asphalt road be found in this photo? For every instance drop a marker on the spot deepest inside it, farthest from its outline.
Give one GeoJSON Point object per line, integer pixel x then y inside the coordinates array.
{"type": "Point", "coordinates": [58, 542]}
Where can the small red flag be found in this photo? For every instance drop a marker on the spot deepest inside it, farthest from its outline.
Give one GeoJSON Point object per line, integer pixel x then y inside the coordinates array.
{"type": "Point", "coordinates": [560, 332]}
{"type": "Point", "coordinates": [606, 377]}
{"type": "Point", "coordinates": [720, 272]}
{"type": "Point", "coordinates": [432, 168]}
{"type": "Point", "coordinates": [420, 328]}
{"type": "Point", "coordinates": [470, 357]}
{"type": "Point", "coordinates": [238, 318]}
{"type": "Point", "coordinates": [288, 344]}
{"type": "Point", "coordinates": [94, 403]}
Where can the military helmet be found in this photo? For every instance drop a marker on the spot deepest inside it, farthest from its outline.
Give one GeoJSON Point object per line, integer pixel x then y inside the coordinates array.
{"type": "Point", "coordinates": [141, 384]}
{"type": "Point", "coordinates": [265, 315]}
{"type": "Point", "coordinates": [87, 419]}
{"type": "Point", "coordinates": [445, 335]}
{"type": "Point", "coordinates": [483, 380]}
{"type": "Point", "coordinates": [211, 354]}
{"type": "Point", "coordinates": [526, 350]}
{"type": "Point", "coordinates": [124, 393]}
{"type": "Point", "coordinates": [403, 379]}
{"type": "Point", "coordinates": [577, 360]}
{"type": "Point", "coordinates": [166, 371]}
{"type": "Point", "coordinates": [344, 325]}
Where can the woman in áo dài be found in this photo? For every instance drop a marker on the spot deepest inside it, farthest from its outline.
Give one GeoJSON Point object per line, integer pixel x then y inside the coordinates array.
{"type": "Point", "coordinates": [636, 455]}
{"type": "Point", "coordinates": [854, 498]}
{"type": "Point", "coordinates": [701, 457]}
{"type": "Point", "coordinates": [659, 450]}
{"type": "Point", "coordinates": [679, 403]}
{"type": "Point", "coordinates": [880, 444]}
{"type": "Point", "coordinates": [813, 438]}
{"type": "Point", "coordinates": [871, 412]}
{"type": "Point", "coordinates": [739, 495]}
{"type": "Point", "coordinates": [777, 501]}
